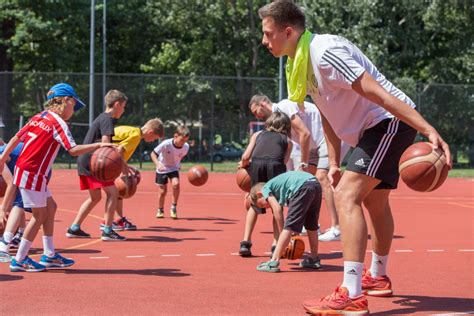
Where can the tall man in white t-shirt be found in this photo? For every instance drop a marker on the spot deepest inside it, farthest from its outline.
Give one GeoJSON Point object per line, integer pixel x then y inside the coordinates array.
{"type": "Point", "coordinates": [307, 132]}
{"type": "Point", "coordinates": [362, 108]}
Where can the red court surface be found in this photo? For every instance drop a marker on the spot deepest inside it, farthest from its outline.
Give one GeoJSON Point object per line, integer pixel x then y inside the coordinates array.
{"type": "Point", "coordinates": [190, 266]}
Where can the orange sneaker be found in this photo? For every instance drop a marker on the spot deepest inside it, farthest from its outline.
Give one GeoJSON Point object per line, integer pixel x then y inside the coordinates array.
{"type": "Point", "coordinates": [338, 303]}
{"type": "Point", "coordinates": [378, 286]}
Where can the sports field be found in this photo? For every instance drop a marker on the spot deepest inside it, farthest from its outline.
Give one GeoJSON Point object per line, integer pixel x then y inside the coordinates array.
{"type": "Point", "coordinates": [190, 265]}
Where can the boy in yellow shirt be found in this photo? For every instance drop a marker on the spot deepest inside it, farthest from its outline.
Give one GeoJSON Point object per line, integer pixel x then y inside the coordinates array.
{"type": "Point", "coordinates": [128, 138]}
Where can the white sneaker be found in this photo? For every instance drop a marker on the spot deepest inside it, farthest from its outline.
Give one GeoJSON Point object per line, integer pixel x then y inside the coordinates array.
{"type": "Point", "coordinates": [331, 234]}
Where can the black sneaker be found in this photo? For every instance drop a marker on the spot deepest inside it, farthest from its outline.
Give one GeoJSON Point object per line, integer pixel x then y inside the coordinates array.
{"type": "Point", "coordinates": [77, 233]}
{"type": "Point", "coordinates": [112, 236]}
{"type": "Point", "coordinates": [16, 240]}
{"type": "Point", "coordinates": [245, 247]}
{"type": "Point", "coordinates": [311, 263]}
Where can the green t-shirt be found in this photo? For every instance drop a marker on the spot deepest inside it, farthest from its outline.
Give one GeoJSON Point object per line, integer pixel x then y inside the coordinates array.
{"type": "Point", "coordinates": [284, 186]}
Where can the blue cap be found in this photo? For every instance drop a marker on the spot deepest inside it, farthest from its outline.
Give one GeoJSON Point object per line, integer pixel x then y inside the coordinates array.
{"type": "Point", "coordinates": [65, 90]}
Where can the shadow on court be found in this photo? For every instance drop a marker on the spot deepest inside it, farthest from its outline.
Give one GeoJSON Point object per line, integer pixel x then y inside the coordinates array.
{"type": "Point", "coordinates": [294, 267]}
{"type": "Point", "coordinates": [217, 220]}
{"type": "Point", "coordinates": [410, 304]}
{"type": "Point", "coordinates": [160, 239]}
{"type": "Point", "coordinates": [79, 251]}
{"type": "Point", "coordinates": [175, 229]}
{"type": "Point", "coordinates": [7, 277]}
{"type": "Point", "coordinates": [151, 272]}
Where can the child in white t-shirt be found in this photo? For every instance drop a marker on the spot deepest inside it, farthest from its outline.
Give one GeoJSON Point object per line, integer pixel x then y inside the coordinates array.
{"type": "Point", "coordinates": [167, 157]}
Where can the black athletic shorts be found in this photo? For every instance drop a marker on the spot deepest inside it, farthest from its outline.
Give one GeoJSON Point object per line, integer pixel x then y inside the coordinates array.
{"type": "Point", "coordinates": [379, 150]}
{"type": "Point", "coordinates": [262, 170]}
{"type": "Point", "coordinates": [304, 207]}
{"type": "Point", "coordinates": [162, 178]}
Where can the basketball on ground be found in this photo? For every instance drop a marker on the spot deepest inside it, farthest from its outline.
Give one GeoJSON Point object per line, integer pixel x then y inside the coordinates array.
{"type": "Point", "coordinates": [106, 164]}
{"type": "Point", "coordinates": [423, 168]}
{"type": "Point", "coordinates": [295, 249]}
{"type": "Point", "coordinates": [197, 175]}
{"type": "Point", "coordinates": [3, 186]}
{"type": "Point", "coordinates": [126, 185]}
{"type": "Point", "coordinates": [243, 179]}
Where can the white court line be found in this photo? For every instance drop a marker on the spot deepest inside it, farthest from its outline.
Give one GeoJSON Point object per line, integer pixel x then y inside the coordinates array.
{"type": "Point", "coordinates": [171, 255]}
{"type": "Point", "coordinates": [234, 253]}
{"type": "Point", "coordinates": [135, 256]}
{"type": "Point", "coordinates": [466, 250]}
{"type": "Point", "coordinates": [435, 250]}
{"type": "Point", "coordinates": [99, 257]}
{"type": "Point", "coordinates": [460, 313]}
{"type": "Point", "coordinates": [267, 253]}
{"type": "Point", "coordinates": [403, 250]}
{"type": "Point", "coordinates": [336, 251]}
{"type": "Point", "coordinates": [205, 254]}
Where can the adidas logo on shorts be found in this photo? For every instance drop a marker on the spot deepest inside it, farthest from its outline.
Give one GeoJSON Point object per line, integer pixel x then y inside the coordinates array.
{"type": "Point", "coordinates": [360, 162]}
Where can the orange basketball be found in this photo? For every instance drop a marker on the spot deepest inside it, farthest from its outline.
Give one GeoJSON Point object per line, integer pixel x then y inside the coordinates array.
{"type": "Point", "coordinates": [295, 249]}
{"type": "Point", "coordinates": [106, 164]}
{"type": "Point", "coordinates": [423, 168]}
{"type": "Point", "coordinates": [3, 186]}
{"type": "Point", "coordinates": [243, 179]}
{"type": "Point", "coordinates": [197, 175]}
{"type": "Point", "coordinates": [126, 185]}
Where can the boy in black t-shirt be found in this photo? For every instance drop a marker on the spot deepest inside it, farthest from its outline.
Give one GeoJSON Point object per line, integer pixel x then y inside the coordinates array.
{"type": "Point", "coordinates": [101, 130]}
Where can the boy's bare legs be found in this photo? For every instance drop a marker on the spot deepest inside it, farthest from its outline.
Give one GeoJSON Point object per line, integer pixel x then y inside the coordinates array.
{"type": "Point", "coordinates": [120, 208]}
{"type": "Point", "coordinates": [16, 219]}
{"type": "Point", "coordinates": [174, 201]}
{"type": "Point", "coordinates": [110, 204]}
{"type": "Point", "coordinates": [163, 189]}
{"type": "Point", "coordinates": [283, 241]}
{"type": "Point", "coordinates": [278, 222]}
{"type": "Point", "coordinates": [313, 243]}
{"type": "Point", "coordinates": [31, 230]}
{"type": "Point", "coordinates": [87, 206]}
{"type": "Point", "coordinates": [250, 221]}
{"type": "Point", "coordinates": [322, 176]}
{"type": "Point", "coordinates": [48, 228]}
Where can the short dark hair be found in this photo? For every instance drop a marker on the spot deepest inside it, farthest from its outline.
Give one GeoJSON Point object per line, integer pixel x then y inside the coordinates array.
{"type": "Point", "coordinates": [257, 187]}
{"type": "Point", "coordinates": [284, 13]}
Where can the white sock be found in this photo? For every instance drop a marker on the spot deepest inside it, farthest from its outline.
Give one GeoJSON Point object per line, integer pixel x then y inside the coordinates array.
{"type": "Point", "coordinates": [23, 249]}
{"type": "Point", "coordinates": [379, 265]}
{"type": "Point", "coordinates": [7, 237]}
{"type": "Point", "coordinates": [353, 277]}
{"type": "Point", "coordinates": [21, 230]}
{"type": "Point", "coordinates": [4, 247]}
{"type": "Point", "coordinates": [48, 247]}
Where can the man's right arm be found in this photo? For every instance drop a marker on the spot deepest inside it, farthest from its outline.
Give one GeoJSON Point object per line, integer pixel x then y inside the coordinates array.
{"type": "Point", "coordinates": [304, 137]}
{"type": "Point", "coordinates": [334, 151]}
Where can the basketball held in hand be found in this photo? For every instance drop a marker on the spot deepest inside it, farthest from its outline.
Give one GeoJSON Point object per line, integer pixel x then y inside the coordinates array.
{"type": "Point", "coordinates": [106, 164]}
{"type": "Point", "coordinates": [243, 179]}
{"type": "Point", "coordinates": [197, 175]}
{"type": "Point", "coordinates": [423, 168]}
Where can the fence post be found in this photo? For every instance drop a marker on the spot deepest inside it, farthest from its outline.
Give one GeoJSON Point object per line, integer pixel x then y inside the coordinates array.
{"type": "Point", "coordinates": [211, 143]}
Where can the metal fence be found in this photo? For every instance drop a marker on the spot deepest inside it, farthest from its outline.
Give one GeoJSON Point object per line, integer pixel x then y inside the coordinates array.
{"type": "Point", "coordinates": [214, 108]}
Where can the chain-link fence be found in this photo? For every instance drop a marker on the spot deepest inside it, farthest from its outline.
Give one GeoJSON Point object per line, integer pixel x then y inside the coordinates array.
{"type": "Point", "coordinates": [215, 109]}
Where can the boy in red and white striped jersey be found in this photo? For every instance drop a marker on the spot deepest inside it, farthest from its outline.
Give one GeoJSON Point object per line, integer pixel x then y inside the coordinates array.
{"type": "Point", "coordinates": [42, 136]}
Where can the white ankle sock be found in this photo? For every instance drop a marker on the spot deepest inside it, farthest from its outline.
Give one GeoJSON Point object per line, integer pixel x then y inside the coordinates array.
{"type": "Point", "coordinates": [48, 246]}
{"type": "Point", "coordinates": [353, 277]}
{"type": "Point", "coordinates": [23, 249]}
{"type": "Point", "coordinates": [379, 265]}
{"type": "Point", "coordinates": [7, 237]}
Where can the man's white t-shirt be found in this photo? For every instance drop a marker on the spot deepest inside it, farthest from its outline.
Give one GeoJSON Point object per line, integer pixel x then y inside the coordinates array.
{"type": "Point", "coordinates": [310, 117]}
{"type": "Point", "coordinates": [335, 63]}
{"type": "Point", "coordinates": [170, 156]}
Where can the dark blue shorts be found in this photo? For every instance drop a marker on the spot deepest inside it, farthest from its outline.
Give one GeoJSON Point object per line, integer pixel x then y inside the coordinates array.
{"type": "Point", "coordinates": [18, 202]}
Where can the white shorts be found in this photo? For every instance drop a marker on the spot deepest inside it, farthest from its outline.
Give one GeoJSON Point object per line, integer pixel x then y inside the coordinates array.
{"type": "Point", "coordinates": [34, 199]}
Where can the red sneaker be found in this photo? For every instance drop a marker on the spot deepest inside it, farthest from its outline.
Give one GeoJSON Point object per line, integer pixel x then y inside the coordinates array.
{"type": "Point", "coordinates": [338, 302]}
{"type": "Point", "coordinates": [378, 286]}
